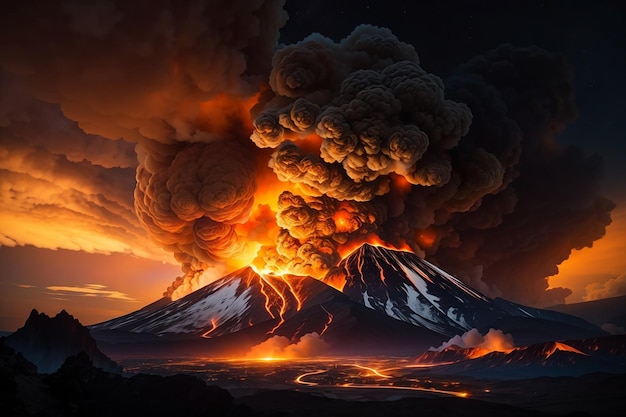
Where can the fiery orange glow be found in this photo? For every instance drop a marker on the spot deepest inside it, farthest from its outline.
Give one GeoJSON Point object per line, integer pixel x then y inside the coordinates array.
{"type": "Point", "coordinates": [217, 114]}
{"type": "Point", "coordinates": [309, 144]}
{"type": "Point", "coordinates": [346, 249]}
{"type": "Point", "coordinates": [283, 302]}
{"type": "Point", "coordinates": [374, 371]}
{"type": "Point", "coordinates": [352, 377]}
{"type": "Point", "coordinates": [330, 320]}
{"type": "Point", "coordinates": [563, 347]}
{"type": "Point", "coordinates": [587, 271]}
{"type": "Point", "coordinates": [400, 184]}
{"type": "Point", "coordinates": [425, 238]}
{"type": "Point", "coordinates": [283, 348]}
{"type": "Point", "coordinates": [335, 279]}
{"type": "Point", "coordinates": [480, 351]}
{"type": "Point", "coordinates": [278, 291]}
{"type": "Point", "coordinates": [343, 221]}
{"type": "Point", "coordinates": [292, 290]}
{"type": "Point", "coordinates": [268, 300]}
{"type": "Point", "coordinates": [211, 330]}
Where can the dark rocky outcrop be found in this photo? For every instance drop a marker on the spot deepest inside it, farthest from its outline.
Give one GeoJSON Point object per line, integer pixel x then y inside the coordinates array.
{"type": "Point", "coordinates": [47, 342]}
{"type": "Point", "coordinates": [78, 388]}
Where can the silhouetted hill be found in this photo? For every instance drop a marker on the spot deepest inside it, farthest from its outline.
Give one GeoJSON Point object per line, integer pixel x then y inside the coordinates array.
{"type": "Point", "coordinates": [604, 312]}
{"type": "Point", "coordinates": [47, 342]}
{"type": "Point", "coordinates": [78, 388]}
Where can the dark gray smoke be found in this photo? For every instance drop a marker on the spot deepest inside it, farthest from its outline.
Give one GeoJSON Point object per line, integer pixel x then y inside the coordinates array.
{"type": "Point", "coordinates": [364, 141]}
{"type": "Point", "coordinates": [499, 203]}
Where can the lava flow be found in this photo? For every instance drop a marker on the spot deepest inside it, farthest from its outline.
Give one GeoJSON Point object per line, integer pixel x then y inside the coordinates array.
{"type": "Point", "coordinates": [353, 377]}
{"type": "Point", "coordinates": [280, 294]}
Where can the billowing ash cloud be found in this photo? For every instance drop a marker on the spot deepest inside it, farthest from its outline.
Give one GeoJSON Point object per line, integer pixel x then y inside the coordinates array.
{"type": "Point", "coordinates": [62, 188]}
{"type": "Point", "coordinates": [383, 124]}
{"type": "Point", "coordinates": [360, 140]}
{"type": "Point", "coordinates": [466, 172]}
{"type": "Point", "coordinates": [173, 78]}
{"type": "Point", "coordinates": [614, 287]}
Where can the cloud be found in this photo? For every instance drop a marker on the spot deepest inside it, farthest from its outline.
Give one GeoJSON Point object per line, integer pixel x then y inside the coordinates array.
{"type": "Point", "coordinates": [90, 290]}
{"type": "Point", "coordinates": [280, 347]}
{"type": "Point", "coordinates": [62, 188]}
{"type": "Point", "coordinates": [472, 161]}
{"type": "Point", "coordinates": [613, 287]}
{"type": "Point", "coordinates": [178, 60]}
{"type": "Point", "coordinates": [173, 114]}
{"type": "Point", "coordinates": [493, 340]}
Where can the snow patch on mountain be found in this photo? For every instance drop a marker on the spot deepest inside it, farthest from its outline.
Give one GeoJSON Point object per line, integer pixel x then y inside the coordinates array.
{"type": "Point", "coordinates": [214, 309]}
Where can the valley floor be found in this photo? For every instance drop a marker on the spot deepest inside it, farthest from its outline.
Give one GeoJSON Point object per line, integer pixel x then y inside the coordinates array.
{"type": "Point", "coordinates": [359, 386]}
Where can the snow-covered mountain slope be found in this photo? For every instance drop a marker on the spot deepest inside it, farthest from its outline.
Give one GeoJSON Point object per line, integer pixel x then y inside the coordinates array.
{"type": "Point", "coordinates": [408, 288]}
{"type": "Point", "coordinates": [389, 296]}
{"type": "Point", "coordinates": [236, 301]}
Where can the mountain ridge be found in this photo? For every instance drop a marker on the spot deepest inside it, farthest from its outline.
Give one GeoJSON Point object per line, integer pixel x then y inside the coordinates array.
{"type": "Point", "coordinates": [388, 298]}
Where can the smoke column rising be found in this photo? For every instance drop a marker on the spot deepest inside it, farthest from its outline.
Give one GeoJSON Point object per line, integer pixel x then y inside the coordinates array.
{"type": "Point", "coordinates": [346, 140]}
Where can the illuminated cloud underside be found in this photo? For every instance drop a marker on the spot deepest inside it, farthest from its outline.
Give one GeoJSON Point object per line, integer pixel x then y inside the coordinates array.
{"type": "Point", "coordinates": [90, 290]}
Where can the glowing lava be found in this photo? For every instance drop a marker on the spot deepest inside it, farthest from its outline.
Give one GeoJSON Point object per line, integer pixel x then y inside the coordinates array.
{"type": "Point", "coordinates": [563, 347]}
{"type": "Point", "coordinates": [374, 240]}
{"type": "Point", "coordinates": [211, 330]}
{"type": "Point", "coordinates": [345, 377]}
{"type": "Point", "coordinates": [330, 320]}
{"type": "Point", "coordinates": [280, 293]}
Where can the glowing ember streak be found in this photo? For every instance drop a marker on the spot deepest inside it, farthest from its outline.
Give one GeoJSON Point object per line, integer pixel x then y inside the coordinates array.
{"type": "Point", "coordinates": [299, 379]}
{"type": "Point", "coordinates": [293, 292]}
{"type": "Point", "coordinates": [345, 250]}
{"type": "Point", "coordinates": [565, 348]}
{"type": "Point", "coordinates": [372, 370]}
{"type": "Point", "coordinates": [427, 365]}
{"type": "Point", "coordinates": [330, 320]}
{"type": "Point", "coordinates": [268, 301]}
{"type": "Point", "coordinates": [283, 307]}
{"type": "Point", "coordinates": [214, 326]}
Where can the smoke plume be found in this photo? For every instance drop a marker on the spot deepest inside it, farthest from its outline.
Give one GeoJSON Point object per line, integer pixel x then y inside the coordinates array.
{"type": "Point", "coordinates": [280, 347]}
{"type": "Point", "coordinates": [614, 287]}
{"type": "Point", "coordinates": [493, 340]}
{"type": "Point", "coordinates": [173, 78]}
{"type": "Point", "coordinates": [293, 153]}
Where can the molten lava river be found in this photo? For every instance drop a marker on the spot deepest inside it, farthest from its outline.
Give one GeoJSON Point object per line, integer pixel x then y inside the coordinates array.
{"type": "Point", "coordinates": [358, 378]}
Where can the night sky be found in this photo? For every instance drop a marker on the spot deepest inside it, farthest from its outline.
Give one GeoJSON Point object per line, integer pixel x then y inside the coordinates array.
{"type": "Point", "coordinates": [80, 87]}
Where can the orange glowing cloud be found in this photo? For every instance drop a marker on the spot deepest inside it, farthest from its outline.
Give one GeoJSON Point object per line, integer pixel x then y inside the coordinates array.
{"type": "Point", "coordinates": [66, 214]}
{"type": "Point", "coordinates": [596, 272]}
{"type": "Point", "coordinates": [217, 114]}
{"type": "Point", "coordinates": [345, 250]}
{"type": "Point", "coordinates": [494, 341]}
{"type": "Point", "coordinates": [90, 290]}
{"type": "Point", "coordinates": [280, 347]}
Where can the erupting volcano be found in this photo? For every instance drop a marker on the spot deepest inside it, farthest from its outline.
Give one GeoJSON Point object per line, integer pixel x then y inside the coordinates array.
{"type": "Point", "coordinates": [391, 301]}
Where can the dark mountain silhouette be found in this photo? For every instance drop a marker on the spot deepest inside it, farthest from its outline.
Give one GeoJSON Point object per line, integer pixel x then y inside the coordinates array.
{"type": "Point", "coordinates": [610, 313]}
{"type": "Point", "coordinates": [47, 342]}
{"type": "Point", "coordinates": [555, 358]}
